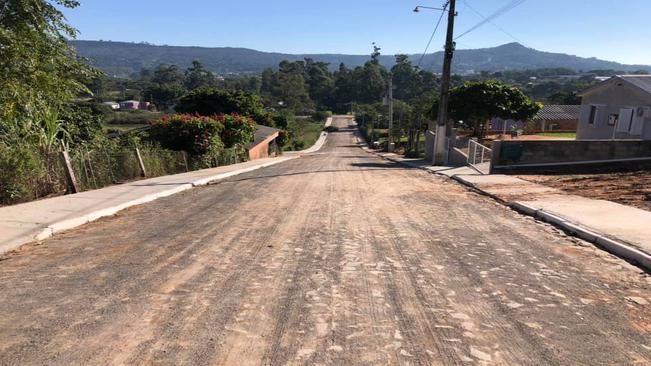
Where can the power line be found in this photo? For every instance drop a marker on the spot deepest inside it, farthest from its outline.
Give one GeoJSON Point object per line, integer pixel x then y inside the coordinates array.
{"type": "Point", "coordinates": [438, 23]}
{"type": "Point", "coordinates": [513, 4]}
{"type": "Point", "coordinates": [493, 23]}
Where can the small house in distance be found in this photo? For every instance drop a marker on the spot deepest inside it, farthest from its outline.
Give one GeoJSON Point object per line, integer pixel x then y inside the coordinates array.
{"type": "Point", "coordinates": [618, 108]}
{"type": "Point", "coordinates": [560, 118]}
{"type": "Point", "coordinates": [130, 105]}
{"type": "Point", "coordinates": [264, 143]}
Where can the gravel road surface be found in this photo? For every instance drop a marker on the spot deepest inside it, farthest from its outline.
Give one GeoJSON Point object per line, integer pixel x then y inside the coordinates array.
{"type": "Point", "coordinates": [339, 258]}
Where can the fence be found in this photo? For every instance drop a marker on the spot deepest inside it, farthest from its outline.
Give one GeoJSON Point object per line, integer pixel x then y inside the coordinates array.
{"type": "Point", "coordinates": [479, 156]}
{"type": "Point", "coordinates": [85, 169]}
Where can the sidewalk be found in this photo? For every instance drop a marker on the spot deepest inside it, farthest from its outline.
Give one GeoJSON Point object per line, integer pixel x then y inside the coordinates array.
{"type": "Point", "coordinates": [619, 229]}
{"type": "Point", "coordinates": [37, 220]}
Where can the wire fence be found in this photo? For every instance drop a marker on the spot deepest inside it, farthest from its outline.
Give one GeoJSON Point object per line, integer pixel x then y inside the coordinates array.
{"type": "Point", "coordinates": [101, 167]}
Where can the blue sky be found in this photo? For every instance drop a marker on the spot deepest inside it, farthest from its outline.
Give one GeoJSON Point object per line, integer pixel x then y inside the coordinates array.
{"type": "Point", "coordinates": [608, 29]}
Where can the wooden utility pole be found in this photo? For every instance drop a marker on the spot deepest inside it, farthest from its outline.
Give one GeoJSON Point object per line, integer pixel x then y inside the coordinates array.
{"type": "Point", "coordinates": [442, 128]}
{"type": "Point", "coordinates": [390, 96]}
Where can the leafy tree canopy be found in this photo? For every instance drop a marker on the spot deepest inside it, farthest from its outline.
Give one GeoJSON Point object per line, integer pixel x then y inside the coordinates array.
{"type": "Point", "coordinates": [38, 69]}
{"type": "Point", "coordinates": [210, 101]}
{"type": "Point", "coordinates": [477, 102]}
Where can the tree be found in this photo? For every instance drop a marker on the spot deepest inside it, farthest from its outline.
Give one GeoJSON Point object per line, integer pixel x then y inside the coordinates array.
{"type": "Point", "coordinates": [320, 82]}
{"type": "Point", "coordinates": [166, 86]}
{"type": "Point", "coordinates": [39, 70]}
{"type": "Point", "coordinates": [478, 102]}
{"type": "Point", "coordinates": [209, 101]}
{"type": "Point", "coordinates": [197, 76]}
{"type": "Point", "coordinates": [289, 87]}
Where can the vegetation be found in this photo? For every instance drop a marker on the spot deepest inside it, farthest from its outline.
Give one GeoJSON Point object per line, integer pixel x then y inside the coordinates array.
{"type": "Point", "coordinates": [475, 103]}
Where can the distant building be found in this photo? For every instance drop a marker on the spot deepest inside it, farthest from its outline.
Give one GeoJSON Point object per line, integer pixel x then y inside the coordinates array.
{"type": "Point", "coordinates": [618, 108]}
{"type": "Point", "coordinates": [130, 105]}
{"type": "Point", "coordinates": [112, 105]}
{"type": "Point", "coordinates": [557, 118]}
{"type": "Point", "coordinates": [549, 118]}
{"type": "Point", "coordinates": [264, 143]}
{"type": "Point", "coordinates": [144, 105]}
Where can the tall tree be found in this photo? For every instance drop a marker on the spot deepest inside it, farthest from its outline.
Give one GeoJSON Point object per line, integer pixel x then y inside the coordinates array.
{"type": "Point", "coordinates": [320, 82]}
{"type": "Point", "coordinates": [166, 86]}
{"type": "Point", "coordinates": [197, 76]}
{"type": "Point", "coordinates": [39, 70]}
{"type": "Point", "coordinates": [289, 86]}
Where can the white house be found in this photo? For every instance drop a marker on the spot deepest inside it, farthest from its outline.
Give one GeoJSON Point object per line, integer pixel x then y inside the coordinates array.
{"type": "Point", "coordinates": [618, 108]}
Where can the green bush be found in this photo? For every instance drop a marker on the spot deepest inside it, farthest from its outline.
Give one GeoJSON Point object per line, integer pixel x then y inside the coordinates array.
{"type": "Point", "coordinates": [321, 115]}
{"type": "Point", "coordinates": [20, 168]}
{"type": "Point", "coordinates": [238, 130]}
{"type": "Point", "coordinates": [194, 134]}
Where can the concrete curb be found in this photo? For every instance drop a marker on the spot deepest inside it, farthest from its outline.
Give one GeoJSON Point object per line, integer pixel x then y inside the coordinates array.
{"type": "Point", "coordinates": [75, 222]}
{"type": "Point", "coordinates": [319, 142]}
{"type": "Point", "coordinates": [617, 248]}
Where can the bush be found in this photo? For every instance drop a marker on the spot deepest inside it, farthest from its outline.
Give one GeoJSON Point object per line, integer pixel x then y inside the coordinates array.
{"type": "Point", "coordinates": [20, 167]}
{"type": "Point", "coordinates": [194, 134]}
{"type": "Point", "coordinates": [238, 130]}
{"type": "Point", "coordinates": [321, 115]}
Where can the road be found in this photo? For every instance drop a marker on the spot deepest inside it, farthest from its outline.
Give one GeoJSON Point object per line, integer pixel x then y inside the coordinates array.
{"type": "Point", "coordinates": [338, 257]}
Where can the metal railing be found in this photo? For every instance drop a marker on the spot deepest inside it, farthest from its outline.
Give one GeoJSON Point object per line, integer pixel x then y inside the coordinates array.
{"type": "Point", "coordinates": [479, 156]}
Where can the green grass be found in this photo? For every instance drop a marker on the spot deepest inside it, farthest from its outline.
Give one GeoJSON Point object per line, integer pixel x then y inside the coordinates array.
{"type": "Point", "coordinates": [307, 132]}
{"type": "Point", "coordinates": [569, 135]}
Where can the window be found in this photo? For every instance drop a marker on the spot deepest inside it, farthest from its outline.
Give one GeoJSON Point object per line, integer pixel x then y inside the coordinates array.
{"type": "Point", "coordinates": [625, 120]}
{"type": "Point", "coordinates": [593, 115]}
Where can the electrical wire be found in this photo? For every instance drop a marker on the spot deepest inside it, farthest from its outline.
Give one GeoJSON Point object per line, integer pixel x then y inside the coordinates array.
{"type": "Point", "coordinates": [438, 23]}
{"type": "Point", "coordinates": [511, 5]}
{"type": "Point", "coordinates": [493, 23]}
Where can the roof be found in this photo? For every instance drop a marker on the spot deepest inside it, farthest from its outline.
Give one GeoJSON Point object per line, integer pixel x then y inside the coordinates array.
{"type": "Point", "coordinates": [641, 82]}
{"type": "Point", "coordinates": [262, 134]}
{"type": "Point", "coordinates": [559, 112]}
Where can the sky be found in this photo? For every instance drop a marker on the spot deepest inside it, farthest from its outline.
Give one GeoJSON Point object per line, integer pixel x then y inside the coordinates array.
{"type": "Point", "coordinates": [613, 30]}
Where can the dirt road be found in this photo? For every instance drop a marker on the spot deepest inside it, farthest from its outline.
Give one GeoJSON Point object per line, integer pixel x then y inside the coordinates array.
{"type": "Point", "coordinates": [334, 258]}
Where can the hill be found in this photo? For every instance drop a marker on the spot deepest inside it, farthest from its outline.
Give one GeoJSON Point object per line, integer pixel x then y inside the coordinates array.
{"type": "Point", "coordinates": [123, 59]}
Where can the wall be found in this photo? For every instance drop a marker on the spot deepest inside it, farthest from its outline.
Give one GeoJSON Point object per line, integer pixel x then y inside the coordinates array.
{"type": "Point", "coordinates": [547, 155]}
{"type": "Point", "coordinates": [259, 151]}
{"type": "Point", "coordinates": [612, 98]}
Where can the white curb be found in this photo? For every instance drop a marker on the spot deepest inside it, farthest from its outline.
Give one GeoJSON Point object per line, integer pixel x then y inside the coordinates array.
{"type": "Point", "coordinates": [612, 246]}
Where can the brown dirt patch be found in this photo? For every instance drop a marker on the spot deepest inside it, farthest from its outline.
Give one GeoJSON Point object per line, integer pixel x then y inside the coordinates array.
{"type": "Point", "coordinates": [628, 188]}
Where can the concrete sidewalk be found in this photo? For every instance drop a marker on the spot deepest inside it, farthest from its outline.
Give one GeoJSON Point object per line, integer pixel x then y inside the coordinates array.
{"type": "Point", "coordinates": [37, 220]}
{"type": "Point", "coordinates": [621, 230]}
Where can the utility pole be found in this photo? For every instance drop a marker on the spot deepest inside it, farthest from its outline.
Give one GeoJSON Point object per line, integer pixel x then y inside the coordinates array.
{"type": "Point", "coordinates": [440, 155]}
{"type": "Point", "coordinates": [390, 137]}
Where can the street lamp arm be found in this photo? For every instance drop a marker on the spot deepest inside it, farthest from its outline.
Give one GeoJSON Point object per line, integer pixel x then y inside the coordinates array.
{"type": "Point", "coordinates": [417, 9]}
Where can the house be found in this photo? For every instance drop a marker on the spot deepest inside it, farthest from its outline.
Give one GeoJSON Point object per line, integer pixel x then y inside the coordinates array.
{"type": "Point", "coordinates": [264, 143]}
{"type": "Point", "coordinates": [618, 108]}
{"type": "Point", "coordinates": [549, 118]}
{"type": "Point", "coordinates": [112, 105]}
{"type": "Point", "coordinates": [130, 105]}
{"type": "Point", "coordinates": [557, 118]}
{"type": "Point", "coordinates": [144, 105]}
